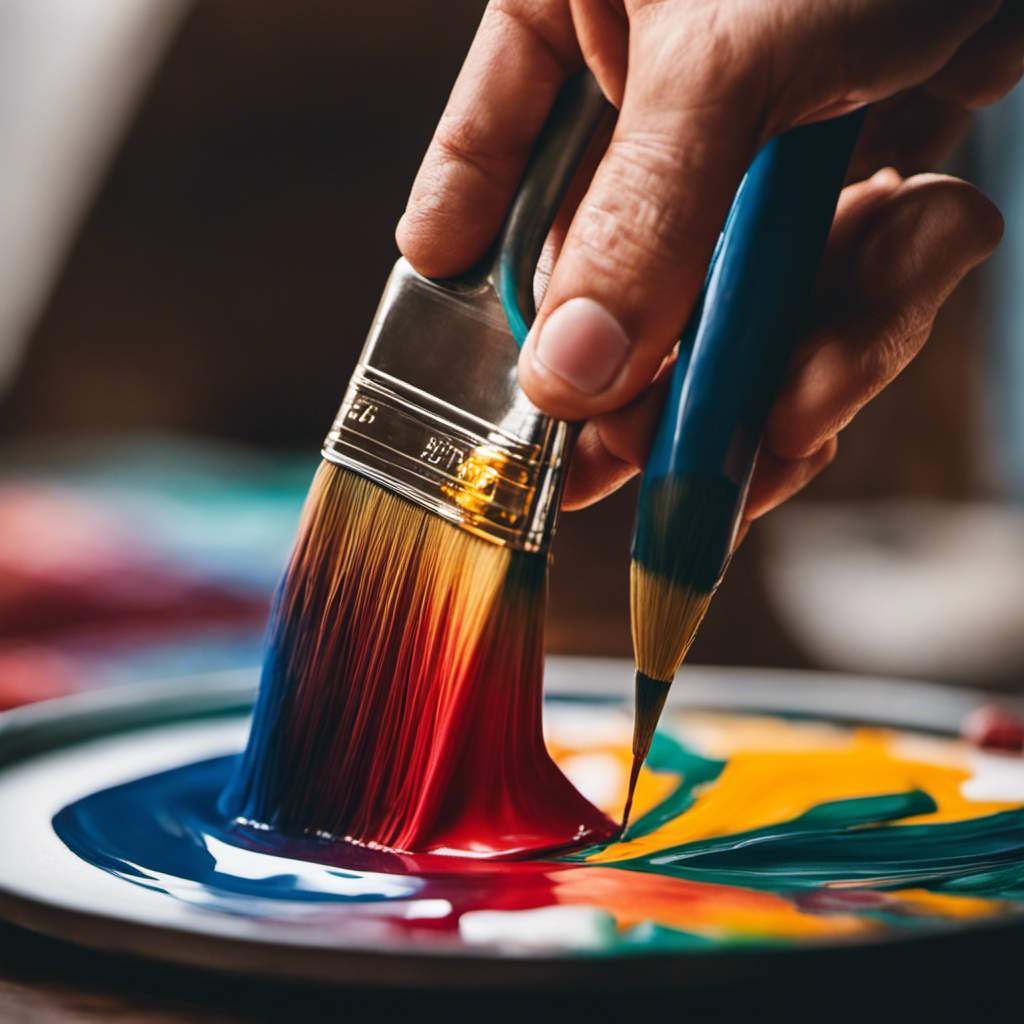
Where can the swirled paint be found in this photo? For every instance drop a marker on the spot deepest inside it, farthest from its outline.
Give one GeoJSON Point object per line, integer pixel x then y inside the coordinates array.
{"type": "Point", "coordinates": [749, 830]}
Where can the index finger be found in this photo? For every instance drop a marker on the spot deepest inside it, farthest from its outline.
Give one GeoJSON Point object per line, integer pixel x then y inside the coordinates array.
{"type": "Point", "coordinates": [523, 52]}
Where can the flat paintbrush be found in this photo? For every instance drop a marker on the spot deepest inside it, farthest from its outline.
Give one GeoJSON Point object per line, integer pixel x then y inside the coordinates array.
{"type": "Point", "coordinates": [732, 359]}
{"type": "Point", "coordinates": [400, 700]}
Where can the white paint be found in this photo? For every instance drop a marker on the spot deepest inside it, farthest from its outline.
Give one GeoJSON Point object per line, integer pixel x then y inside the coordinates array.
{"type": "Point", "coordinates": [309, 876]}
{"type": "Point", "coordinates": [557, 928]}
{"type": "Point", "coordinates": [581, 726]}
{"type": "Point", "coordinates": [599, 777]}
{"type": "Point", "coordinates": [929, 750]}
{"type": "Point", "coordinates": [994, 777]}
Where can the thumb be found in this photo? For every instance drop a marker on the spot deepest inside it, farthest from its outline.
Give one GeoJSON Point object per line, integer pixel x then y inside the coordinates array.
{"type": "Point", "coordinates": [634, 258]}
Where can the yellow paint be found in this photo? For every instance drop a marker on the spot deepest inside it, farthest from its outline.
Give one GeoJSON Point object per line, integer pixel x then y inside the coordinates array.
{"type": "Point", "coordinates": [778, 770]}
{"type": "Point", "coordinates": [775, 771]}
{"type": "Point", "coordinates": [942, 905]}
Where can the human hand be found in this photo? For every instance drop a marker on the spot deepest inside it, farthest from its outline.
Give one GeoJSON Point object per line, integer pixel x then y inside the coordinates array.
{"type": "Point", "coordinates": [701, 85]}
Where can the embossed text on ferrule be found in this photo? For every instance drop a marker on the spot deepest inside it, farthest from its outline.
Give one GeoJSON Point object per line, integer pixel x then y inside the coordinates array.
{"type": "Point", "coordinates": [474, 474]}
{"type": "Point", "coordinates": [442, 453]}
{"type": "Point", "coordinates": [362, 411]}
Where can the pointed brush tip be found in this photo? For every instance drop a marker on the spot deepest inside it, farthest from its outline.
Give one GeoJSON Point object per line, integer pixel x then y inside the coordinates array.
{"type": "Point", "coordinates": [624, 824]}
{"type": "Point", "coordinates": [651, 695]}
{"type": "Point", "coordinates": [634, 775]}
{"type": "Point", "coordinates": [643, 679]}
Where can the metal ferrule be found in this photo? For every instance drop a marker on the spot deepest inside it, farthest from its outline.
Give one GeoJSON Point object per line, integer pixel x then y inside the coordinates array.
{"type": "Point", "coordinates": [434, 413]}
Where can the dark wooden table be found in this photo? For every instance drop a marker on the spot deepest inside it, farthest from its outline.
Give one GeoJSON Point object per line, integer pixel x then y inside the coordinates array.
{"type": "Point", "coordinates": [43, 981]}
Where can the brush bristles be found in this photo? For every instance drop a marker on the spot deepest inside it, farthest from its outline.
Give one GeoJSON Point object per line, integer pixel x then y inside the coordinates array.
{"type": "Point", "coordinates": [401, 696]}
{"type": "Point", "coordinates": [680, 549]}
{"type": "Point", "coordinates": [665, 618]}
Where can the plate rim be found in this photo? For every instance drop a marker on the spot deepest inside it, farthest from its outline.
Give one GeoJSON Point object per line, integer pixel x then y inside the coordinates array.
{"type": "Point", "coordinates": [67, 721]}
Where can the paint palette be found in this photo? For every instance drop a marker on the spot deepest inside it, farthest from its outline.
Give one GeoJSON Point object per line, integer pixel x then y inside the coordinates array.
{"type": "Point", "coordinates": [779, 815]}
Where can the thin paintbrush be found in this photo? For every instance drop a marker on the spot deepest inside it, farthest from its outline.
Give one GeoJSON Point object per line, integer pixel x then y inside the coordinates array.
{"type": "Point", "coordinates": [400, 699]}
{"type": "Point", "coordinates": [732, 358]}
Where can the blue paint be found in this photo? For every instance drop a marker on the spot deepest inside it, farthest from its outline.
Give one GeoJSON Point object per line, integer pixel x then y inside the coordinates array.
{"type": "Point", "coordinates": [168, 826]}
{"type": "Point", "coordinates": [167, 833]}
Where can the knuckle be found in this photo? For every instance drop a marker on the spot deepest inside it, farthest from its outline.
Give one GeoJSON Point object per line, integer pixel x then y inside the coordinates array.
{"type": "Point", "coordinates": [463, 140]}
{"type": "Point", "coordinates": [972, 87]}
{"type": "Point", "coordinates": [637, 217]}
{"type": "Point", "coordinates": [898, 332]}
{"type": "Point", "coordinates": [828, 452]}
{"type": "Point", "coordinates": [549, 25]}
{"type": "Point", "coordinates": [707, 38]}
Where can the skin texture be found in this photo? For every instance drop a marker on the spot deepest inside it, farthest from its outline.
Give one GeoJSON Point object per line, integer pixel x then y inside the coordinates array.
{"type": "Point", "coordinates": [700, 85]}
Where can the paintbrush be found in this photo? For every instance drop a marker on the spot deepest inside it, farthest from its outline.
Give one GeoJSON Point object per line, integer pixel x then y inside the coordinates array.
{"type": "Point", "coordinates": [732, 358]}
{"type": "Point", "coordinates": [400, 699]}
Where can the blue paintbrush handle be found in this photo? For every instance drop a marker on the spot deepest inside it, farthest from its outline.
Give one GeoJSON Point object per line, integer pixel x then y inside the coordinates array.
{"type": "Point", "coordinates": [740, 338]}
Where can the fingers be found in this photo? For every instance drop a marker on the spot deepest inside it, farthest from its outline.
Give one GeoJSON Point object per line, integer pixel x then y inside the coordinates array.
{"type": "Point", "coordinates": [636, 252]}
{"type": "Point", "coordinates": [603, 31]}
{"type": "Point", "coordinates": [704, 89]}
{"type": "Point", "coordinates": [595, 471]}
{"type": "Point", "coordinates": [913, 130]}
{"type": "Point", "coordinates": [522, 53]}
{"type": "Point", "coordinates": [910, 132]}
{"type": "Point", "coordinates": [613, 447]}
{"type": "Point", "coordinates": [775, 480]}
{"type": "Point", "coordinates": [896, 250]}
{"type": "Point", "coordinates": [913, 249]}
{"type": "Point", "coordinates": [988, 65]}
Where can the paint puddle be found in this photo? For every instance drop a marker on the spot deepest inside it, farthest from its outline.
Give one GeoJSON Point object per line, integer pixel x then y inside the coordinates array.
{"type": "Point", "coordinates": [748, 830]}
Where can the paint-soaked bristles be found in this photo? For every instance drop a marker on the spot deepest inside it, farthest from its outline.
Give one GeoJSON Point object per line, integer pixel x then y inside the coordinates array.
{"type": "Point", "coordinates": [681, 546]}
{"type": "Point", "coordinates": [401, 695]}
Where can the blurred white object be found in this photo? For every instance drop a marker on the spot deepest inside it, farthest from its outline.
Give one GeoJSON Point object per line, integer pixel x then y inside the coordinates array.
{"type": "Point", "coordinates": [71, 72]}
{"type": "Point", "coordinates": [572, 927]}
{"type": "Point", "coordinates": [909, 588]}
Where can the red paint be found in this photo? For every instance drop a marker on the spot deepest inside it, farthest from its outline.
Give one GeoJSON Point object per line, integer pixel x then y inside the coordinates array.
{"type": "Point", "coordinates": [842, 901]}
{"type": "Point", "coordinates": [461, 766]}
{"type": "Point", "coordinates": [468, 885]}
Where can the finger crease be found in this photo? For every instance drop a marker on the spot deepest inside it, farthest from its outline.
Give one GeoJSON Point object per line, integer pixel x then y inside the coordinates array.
{"type": "Point", "coordinates": [568, 63]}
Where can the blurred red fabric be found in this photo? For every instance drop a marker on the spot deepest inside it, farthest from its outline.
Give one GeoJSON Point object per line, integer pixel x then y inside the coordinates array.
{"type": "Point", "coordinates": [72, 569]}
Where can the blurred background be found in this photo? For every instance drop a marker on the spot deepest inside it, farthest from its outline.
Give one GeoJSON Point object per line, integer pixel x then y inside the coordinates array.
{"type": "Point", "coordinates": [197, 206]}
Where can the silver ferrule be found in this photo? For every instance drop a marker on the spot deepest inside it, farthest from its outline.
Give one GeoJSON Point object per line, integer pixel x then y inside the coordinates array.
{"type": "Point", "coordinates": [434, 412]}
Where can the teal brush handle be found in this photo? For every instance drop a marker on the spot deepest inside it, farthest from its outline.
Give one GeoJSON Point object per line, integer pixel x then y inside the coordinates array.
{"type": "Point", "coordinates": [739, 341]}
{"type": "Point", "coordinates": [577, 111]}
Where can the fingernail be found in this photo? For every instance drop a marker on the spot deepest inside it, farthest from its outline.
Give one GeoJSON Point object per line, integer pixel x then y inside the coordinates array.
{"type": "Point", "coordinates": [583, 345]}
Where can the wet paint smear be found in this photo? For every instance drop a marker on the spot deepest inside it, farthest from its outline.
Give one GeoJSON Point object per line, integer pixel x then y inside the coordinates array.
{"type": "Point", "coordinates": [750, 831]}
